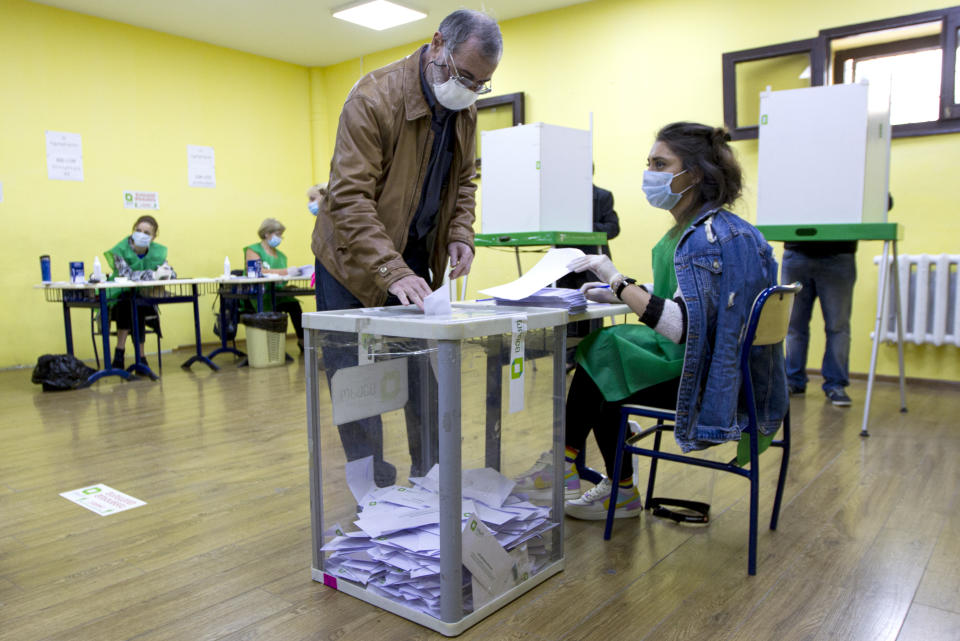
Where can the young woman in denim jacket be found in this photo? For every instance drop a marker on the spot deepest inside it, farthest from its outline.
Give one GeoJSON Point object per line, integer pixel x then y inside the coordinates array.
{"type": "Point", "coordinates": [707, 270]}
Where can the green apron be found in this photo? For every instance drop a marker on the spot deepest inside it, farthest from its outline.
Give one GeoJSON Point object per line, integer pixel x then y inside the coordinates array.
{"type": "Point", "coordinates": [624, 359]}
{"type": "Point", "coordinates": [156, 255]}
{"type": "Point", "coordinates": [269, 262]}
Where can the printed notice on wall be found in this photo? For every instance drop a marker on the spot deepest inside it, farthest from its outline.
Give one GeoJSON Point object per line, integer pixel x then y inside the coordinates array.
{"type": "Point", "coordinates": [201, 166]}
{"type": "Point", "coordinates": [102, 499]}
{"type": "Point", "coordinates": [141, 200]}
{"type": "Point", "coordinates": [64, 156]}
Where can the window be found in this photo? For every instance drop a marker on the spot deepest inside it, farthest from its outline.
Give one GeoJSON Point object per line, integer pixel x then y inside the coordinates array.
{"type": "Point", "coordinates": [912, 57]}
{"type": "Point", "coordinates": [496, 113]}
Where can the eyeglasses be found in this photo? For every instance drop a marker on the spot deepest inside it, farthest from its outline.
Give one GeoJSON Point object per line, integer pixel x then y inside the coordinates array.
{"type": "Point", "coordinates": [475, 86]}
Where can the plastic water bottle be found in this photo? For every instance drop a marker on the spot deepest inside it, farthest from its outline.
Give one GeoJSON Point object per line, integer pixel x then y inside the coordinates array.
{"type": "Point", "coordinates": [226, 267]}
{"type": "Point", "coordinates": [97, 270]}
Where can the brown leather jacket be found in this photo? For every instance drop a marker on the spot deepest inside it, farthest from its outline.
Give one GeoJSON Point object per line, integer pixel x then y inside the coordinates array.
{"type": "Point", "coordinates": [376, 175]}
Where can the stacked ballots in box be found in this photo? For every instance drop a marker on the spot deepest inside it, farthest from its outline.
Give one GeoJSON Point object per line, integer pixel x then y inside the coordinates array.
{"type": "Point", "coordinates": [394, 550]}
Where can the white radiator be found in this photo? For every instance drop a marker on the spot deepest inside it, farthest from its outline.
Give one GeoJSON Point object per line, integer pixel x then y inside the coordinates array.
{"type": "Point", "coordinates": [929, 298]}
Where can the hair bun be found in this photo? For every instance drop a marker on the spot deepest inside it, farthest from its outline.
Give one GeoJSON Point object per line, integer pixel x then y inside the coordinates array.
{"type": "Point", "coordinates": [720, 136]}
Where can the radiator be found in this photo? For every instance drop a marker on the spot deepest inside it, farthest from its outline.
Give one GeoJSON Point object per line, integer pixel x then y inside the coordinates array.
{"type": "Point", "coordinates": [929, 299]}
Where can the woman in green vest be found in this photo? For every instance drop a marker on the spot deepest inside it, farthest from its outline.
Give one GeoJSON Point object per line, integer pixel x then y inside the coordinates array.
{"type": "Point", "coordinates": [274, 261]}
{"type": "Point", "coordinates": [136, 257]}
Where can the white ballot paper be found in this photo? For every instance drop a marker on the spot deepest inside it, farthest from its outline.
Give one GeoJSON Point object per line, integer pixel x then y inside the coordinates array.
{"type": "Point", "coordinates": [551, 267]}
{"type": "Point", "coordinates": [438, 303]}
{"type": "Point", "coordinates": [395, 552]}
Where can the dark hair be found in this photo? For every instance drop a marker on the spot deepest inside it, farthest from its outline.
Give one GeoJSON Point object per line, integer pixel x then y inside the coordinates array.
{"type": "Point", "coordinates": [147, 218]}
{"type": "Point", "coordinates": [705, 153]}
{"type": "Point", "coordinates": [463, 24]}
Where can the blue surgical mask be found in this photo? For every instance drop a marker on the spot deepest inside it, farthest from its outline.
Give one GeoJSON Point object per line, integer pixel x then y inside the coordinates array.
{"type": "Point", "coordinates": [274, 240]}
{"type": "Point", "coordinates": [656, 186]}
{"type": "Point", "coordinates": [314, 207]}
{"type": "Point", "coordinates": [140, 239]}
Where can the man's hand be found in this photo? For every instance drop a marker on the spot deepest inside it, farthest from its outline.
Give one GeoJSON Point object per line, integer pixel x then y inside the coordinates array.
{"type": "Point", "coordinates": [598, 293]}
{"type": "Point", "coordinates": [461, 257]}
{"type": "Point", "coordinates": [598, 264]}
{"type": "Point", "coordinates": [410, 289]}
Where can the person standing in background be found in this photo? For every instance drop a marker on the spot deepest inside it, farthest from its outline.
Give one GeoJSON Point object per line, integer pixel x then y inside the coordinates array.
{"type": "Point", "coordinates": [400, 199]}
{"type": "Point", "coordinates": [315, 196]}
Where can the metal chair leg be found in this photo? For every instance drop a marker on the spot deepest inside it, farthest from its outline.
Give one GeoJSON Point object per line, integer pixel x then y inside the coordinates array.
{"type": "Point", "coordinates": [784, 463]}
{"type": "Point", "coordinates": [615, 481]}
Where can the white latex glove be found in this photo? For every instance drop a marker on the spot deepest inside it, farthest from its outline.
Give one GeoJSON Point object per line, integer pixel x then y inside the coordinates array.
{"type": "Point", "coordinates": [599, 264]}
{"type": "Point", "coordinates": [164, 272]}
{"type": "Point", "coordinates": [293, 272]}
{"type": "Point", "coordinates": [598, 293]}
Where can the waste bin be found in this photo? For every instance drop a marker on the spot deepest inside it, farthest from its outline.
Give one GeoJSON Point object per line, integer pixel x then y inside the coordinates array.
{"type": "Point", "coordinates": [266, 338]}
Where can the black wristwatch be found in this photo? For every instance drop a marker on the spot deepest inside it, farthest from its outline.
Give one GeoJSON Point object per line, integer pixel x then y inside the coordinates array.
{"type": "Point", "coordinates": [624, 283]}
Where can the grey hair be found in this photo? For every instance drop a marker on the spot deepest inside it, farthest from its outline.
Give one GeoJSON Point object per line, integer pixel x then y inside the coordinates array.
{"type": "Point", "coordinates": [463, 24]}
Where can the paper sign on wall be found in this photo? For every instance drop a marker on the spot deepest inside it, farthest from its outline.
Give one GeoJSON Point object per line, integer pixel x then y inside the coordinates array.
{"type": "Point", "coordinates": [516, 363]}
{"type": "Point", "coordinates": [141, 200]}
{"type": "Point", "coordinates": [64, 156]}
{"type": "Point", "coordinates": [102, 499]}
{"type": "Point", "coordinates": [368, 390]}
{"type": "Point", "coordinates": [201, 166]}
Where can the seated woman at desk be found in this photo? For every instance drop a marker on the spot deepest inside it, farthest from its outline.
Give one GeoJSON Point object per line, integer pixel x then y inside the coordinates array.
{"type": "Point", "coordinates": [707, 271]}
{"type": "Point", "coordinates": [274, 261]}
{"type": "Point", "coordinates": [136, 257]}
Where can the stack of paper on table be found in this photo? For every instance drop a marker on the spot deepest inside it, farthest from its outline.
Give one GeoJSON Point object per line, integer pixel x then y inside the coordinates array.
{"type": "Point", "coordinates": [395, 552]}
{"type": "Point", "coordinates": [572, 300]}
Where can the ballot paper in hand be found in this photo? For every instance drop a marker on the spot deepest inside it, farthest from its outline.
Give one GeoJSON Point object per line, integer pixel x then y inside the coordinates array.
{"type": "Point", "coordinates": [551, 267]}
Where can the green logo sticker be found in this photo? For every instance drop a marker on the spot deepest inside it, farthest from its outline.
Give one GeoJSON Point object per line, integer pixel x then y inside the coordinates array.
{"type": "Point", "coordinates": [91, 490]}
{"type": "Point", "coordinates": [473, 525]}
{"type": "Point", "coordinates": [763, 119]}
{"type": "Point", "coordinates": [128, 197]}
{"type": "Point", "coordinates": [538, 164]}
{"type": "Point", "coordinates": [516, 368]}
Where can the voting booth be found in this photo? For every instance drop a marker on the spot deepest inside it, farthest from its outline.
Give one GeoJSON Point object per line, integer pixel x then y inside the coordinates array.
{"type": "Point", "coordinates": [536, 177]}
{"type": "Point", "coordinates": [824, 156]}
{"type": "Point", "coordinates": [462, 406]}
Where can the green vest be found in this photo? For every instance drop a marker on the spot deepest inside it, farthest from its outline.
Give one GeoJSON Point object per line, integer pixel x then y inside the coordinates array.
{"type": "Point", "coordinates": [268, 262]}
{"type": "Point", "coordinates": [624, 359]}
{"type": "Point", "coordinates": [156, 255]}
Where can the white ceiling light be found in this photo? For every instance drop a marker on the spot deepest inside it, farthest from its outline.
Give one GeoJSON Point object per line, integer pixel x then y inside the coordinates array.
{"type": "Point", "coordinates": [378, 14]}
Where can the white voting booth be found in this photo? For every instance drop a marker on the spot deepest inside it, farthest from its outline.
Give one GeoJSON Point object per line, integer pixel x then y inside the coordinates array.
{"type": "Point", "coordinates": [824, 171]}
{"type": "Point", "coordinates": [536, 177]}
{"type": "Point", "coordinates": [453, 402]}
{"type": "Point", "coordinates": [824, 156]}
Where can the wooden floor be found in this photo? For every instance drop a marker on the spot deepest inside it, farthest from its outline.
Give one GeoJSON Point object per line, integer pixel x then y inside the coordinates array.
{"type": "Point", "coordinates": [868, 545]}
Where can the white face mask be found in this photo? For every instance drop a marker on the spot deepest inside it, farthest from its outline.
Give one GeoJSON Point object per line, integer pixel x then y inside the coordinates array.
{"type": "Point", "coordinates": [452, 95]}
{"type": "Point", "coordinates": [140, 239]}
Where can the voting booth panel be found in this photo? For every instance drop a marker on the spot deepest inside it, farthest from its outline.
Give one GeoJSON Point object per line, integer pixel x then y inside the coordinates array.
{"type": "Point", "coordinates": [460, 530]}
{"type": "Point", "coordinates": [824, 155]}
{"type": "Point", "coordinates": [536, 177]}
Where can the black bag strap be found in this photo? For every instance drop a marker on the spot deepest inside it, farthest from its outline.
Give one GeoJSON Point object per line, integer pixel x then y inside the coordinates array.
{"type": "Point", "coordinates": [688, 512]}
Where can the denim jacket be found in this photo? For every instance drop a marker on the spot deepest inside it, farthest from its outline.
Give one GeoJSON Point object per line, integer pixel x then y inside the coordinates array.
{"type": "Point", "coordinates": [722, 263]}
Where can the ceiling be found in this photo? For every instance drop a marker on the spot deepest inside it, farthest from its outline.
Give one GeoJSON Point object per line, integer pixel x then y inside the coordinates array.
{"type": "Point", "coordinates": [299, 31]}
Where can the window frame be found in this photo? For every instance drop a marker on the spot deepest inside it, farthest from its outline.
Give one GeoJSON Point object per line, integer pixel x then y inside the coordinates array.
{"type": "Point", "coordinates": [730, 61]}
{"type": "Point", "coordinates": [947, 122]}
{"type": "Point", "coordinates": [514, 99]}
{"type": "Point", "coordinates": [819, 48]}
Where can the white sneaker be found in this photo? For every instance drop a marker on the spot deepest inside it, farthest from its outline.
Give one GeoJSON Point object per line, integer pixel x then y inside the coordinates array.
{"type": "Point", "coordinates": [537, 482]}
{"type": "Point", "coordinates": [592, 506]}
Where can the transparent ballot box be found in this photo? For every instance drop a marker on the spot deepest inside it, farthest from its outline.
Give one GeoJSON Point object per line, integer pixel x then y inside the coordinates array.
{"type": "Point", "coordinates": [436, 456]}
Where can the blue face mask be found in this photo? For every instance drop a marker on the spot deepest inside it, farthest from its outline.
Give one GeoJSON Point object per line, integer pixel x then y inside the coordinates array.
{"type": "Point", "coordinates": [656, 186]}
{"type": "Point", "coordinates": [313, 206]}
{"type": "Point", "coordinates": [274, 240]}
{"type": "Point", "coordinates": [140, 239]}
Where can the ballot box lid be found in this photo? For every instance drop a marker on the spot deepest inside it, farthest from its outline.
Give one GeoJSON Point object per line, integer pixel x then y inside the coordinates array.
{"type": "Point", "coordinates": [468, 320]}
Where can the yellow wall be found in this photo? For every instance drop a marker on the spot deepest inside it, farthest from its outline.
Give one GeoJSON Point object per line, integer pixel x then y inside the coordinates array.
{"type": "Point", "coordinates": [640, 65]}
{"type": "Point", "coordinates": [138, 98]}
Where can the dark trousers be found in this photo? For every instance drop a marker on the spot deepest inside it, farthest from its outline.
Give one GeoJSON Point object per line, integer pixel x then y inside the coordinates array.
{"type": "Point", "coordinates": [147, 316]}
{"type": "Point", "coordinates": [365, 437]}
{"type": "Point", "coordinates": [588, 411]}
{"type": "Point", "coordinates": [295, 312]}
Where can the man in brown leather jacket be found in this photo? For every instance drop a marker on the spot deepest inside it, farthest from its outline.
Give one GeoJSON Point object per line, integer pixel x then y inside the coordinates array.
{"type": "Point", "coordinates": [400, 199]}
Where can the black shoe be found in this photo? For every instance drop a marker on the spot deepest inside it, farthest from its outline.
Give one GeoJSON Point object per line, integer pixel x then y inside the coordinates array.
{"type": "Point", "coordinates": [796, 390]}
{"type": "Point", "coordinates": [117, 359]}
{"type": "Point", "coordinates": [838, 397]}
{"type": "Point", "coordinates": [384, 474]}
